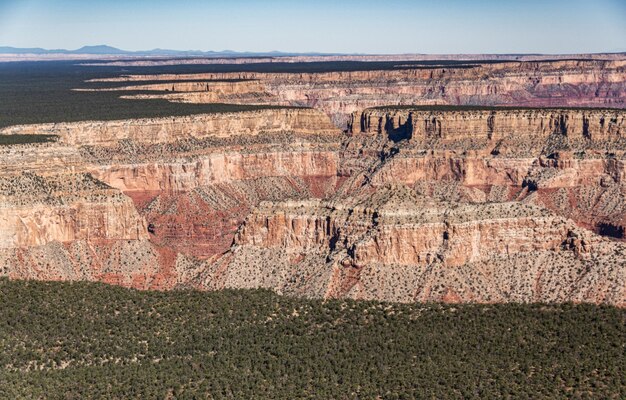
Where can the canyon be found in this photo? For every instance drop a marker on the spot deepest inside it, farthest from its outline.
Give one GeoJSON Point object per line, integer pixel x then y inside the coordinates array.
{"type": "Point", "coordinates": [554, 83]}
{"type": "Point", "coordinates": [488, 182]}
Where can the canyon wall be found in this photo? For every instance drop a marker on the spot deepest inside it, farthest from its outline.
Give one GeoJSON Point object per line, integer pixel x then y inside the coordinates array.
{"type": "Point", "coordinates": [415, 232]}
{"type": "Point", "coordinates": [155, 130]}
{"type": "Point", "coordinates": [492, 124]}
{"type": "Point", "coordinates": [412, 203]}
{"type": "Point", "coordinates": [569, 160]}
{"type": "Point", "coordinates": [396, 246]}
{"type": "Point", "coordinates": [216, 168]}
{"type": "Point", "coordinates": [36, 210]}
{"type": "Point", "coordinates": [213, 168]}
{"type": "Point", "coordinates": [548, 83]}
{"type": "Point", "coordinates": [224, 87]}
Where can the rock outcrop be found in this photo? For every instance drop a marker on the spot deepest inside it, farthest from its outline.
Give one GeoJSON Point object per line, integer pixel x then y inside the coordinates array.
{"type": "Point", "coordinates": [457, 123]}
{"type": "Point", "coordinates": [411, 203]}
{"type": "Point", "coordinates": [569, 160]}
{"type": "Point", "coordinates": [74, 227]}
{"type": "Point", "coordinates": [161, 130]}
{"type": "Point", "coordinates": [396, 246]}
{"type": "Point", "coordinates": [213, 168]}
{"type": "Point", "coordinates": [547, 83]}
{"type": "Point", "coordinates": [36, 210]}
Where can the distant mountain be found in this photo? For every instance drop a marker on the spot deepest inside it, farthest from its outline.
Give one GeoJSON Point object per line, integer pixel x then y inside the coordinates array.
{"type": "Point", "coordinates": [99, 49]}
{"type": "Point", "coordinates": [109, 50]}
{"type": "Point", "coordinates": [106, 50]}
{"type": "Point", "coordinates": [29, 50]}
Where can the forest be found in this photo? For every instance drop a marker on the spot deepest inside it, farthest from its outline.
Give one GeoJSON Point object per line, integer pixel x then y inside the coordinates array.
{"type": "Point", "coordinates": [79, 340]}
{"type": "Point", "coordinates": [8, 140]}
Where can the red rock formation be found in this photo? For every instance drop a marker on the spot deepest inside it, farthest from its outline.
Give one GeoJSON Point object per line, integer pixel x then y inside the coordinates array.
{"type": "Point", "coordinates": [538, 156]}
{"type": "Point", "coordinates": [39, 210]}
{"type": "Point", "coordinates": [281, 199]}
{"type": "Point", "coordinates": [193, 179]}
{"type": "Point", "coordinates": [536, 84]}
{"type": "Point", "coordinates": [395, 246]}
{"type": "Point", "coordinates": [159, 130]}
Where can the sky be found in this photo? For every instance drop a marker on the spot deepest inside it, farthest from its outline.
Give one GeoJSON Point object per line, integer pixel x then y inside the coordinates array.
{"type": "Point", "coordinates": [333, 26]}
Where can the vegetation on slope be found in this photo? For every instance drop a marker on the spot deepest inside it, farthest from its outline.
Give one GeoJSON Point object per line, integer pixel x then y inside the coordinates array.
{"type": "Point", "coordinates": [7, 140]}
{"type": "Point", "coordinates": [39, 92]}
{"type": "Point", "coordinates": [78, 340]}
{"type": "Point", "coordinates": [463, 107]}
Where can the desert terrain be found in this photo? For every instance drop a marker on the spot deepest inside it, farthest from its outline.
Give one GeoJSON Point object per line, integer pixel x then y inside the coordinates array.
{"type": "Point", "coordinates": [397, 179]}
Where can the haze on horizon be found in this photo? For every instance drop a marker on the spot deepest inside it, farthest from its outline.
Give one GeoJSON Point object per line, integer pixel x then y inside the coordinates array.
{"type": "Point", "coordinates": [392, 26]}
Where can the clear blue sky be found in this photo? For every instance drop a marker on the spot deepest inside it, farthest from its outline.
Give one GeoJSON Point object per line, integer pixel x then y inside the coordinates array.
{"type": "Point", "coordinates": [390, 26]}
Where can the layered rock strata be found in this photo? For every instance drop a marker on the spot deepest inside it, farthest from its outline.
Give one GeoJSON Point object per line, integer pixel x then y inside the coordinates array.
{"type": "Point", "coordinates": [74, 227]}
{"type": "Point", "coordinates": [397, 246]}
{"type": "Point", "coordinates": [570, 161]}
{"type": "Point", "coordinates": [411, 204]}
{"type": "Point", "coordinates": [192, 179]}
{"type": "Point", "coordinates": [35, 210]}
{"type": "Point", "coordinates": [546, 83]}
{"type": "Point", "coordinates": [169, 129]}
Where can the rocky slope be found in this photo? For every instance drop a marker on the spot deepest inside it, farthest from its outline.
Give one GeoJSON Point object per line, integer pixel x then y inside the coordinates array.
{"type": "Point", "coordinates": [35, 210]}
{"type": "Point", "coordinates": [162, 130]}
{"type": "Point", "coordinates": [212, 168]}
{"type": "Point", "coordinates": [396, 246]}
{"type": "Point", "coordinates": [547, 83]}
{"type": "Point", "coordinates": [473, 203]}
{"type": "Point", "coordinates": [73, 227]}
{"type": "Point", "coordinates": [570, 161]}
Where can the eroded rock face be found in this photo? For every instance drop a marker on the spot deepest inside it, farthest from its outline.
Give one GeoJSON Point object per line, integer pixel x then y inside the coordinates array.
{"type": "Point", "coordinates": [160, 130]}
{"type": "Point", "coordinates": [570, 161]}
{"type": "Point", "coordinates": [394, 226]}
{"type": "Point", "coordinates": [545, 83]}
{"type": "Point", "coordinates": [217, 168]}
{"type": "Point", "coordinates": [396, 246]}
{"type": "Point", "coordinates": [36, 210]}
{"type": "Point", "coordinates": [74, 227]}
{"type": "Point", "coordinates": [184, 183]}
{"type": "Point", "coordinates": [594, 125]}
{"type": "Point", "coordinates": [410, 204]}
{"type": "Point", "coordinates": [131, 263]}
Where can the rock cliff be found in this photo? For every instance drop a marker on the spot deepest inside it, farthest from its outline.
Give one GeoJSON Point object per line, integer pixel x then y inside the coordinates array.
{"type": "Point", "coordinates": [595, 125]}
{"type": "Point", "coordinates": [213, 168]}
{"type": "Point", "coordinates": [569, 160]}
{"type": "Point", "coordinates": [396, 246]}
{"type": "Point", "coordinates": [545, 83]}
{"type": "Point", "coordinates": [411, 203]}
{"type": "Point", "coordinates": [159, 130]}
{"type": "Point", "coordinates": [35, 210]}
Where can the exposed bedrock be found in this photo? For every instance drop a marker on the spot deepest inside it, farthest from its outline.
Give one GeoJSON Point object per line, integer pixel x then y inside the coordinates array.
{"type": "Point", "coordinates": [493, 124]}
{"type": "Point", "coordinates": [73, 227]}
{"type": "Point", "coordinates": [484, 205]}
{"type": "Point", "coordinates": [132, 263]}
{"type": "Point", "coordinates": [394, 245]}
{"type": "Point", "coordinates": [192, 179]}
{"type": "Point", "coordinates": [416, 233]}
{"type": "Point", "coordinates": [159, 130]}
{"type": "Point", "coordinates": [217, 168]}
{"type": "Point", "coordinates": [583, 83]}
{"type": "Point", "coordinates": [35, 210]}
{"type": "Point", "coordinates": [570, 161]}
{"type": "Point", "coordinates": [233, 87]}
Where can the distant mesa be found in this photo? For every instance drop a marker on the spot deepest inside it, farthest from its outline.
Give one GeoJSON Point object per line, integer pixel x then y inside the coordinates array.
{"type": "Point", "coordinates": [103, 49]}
